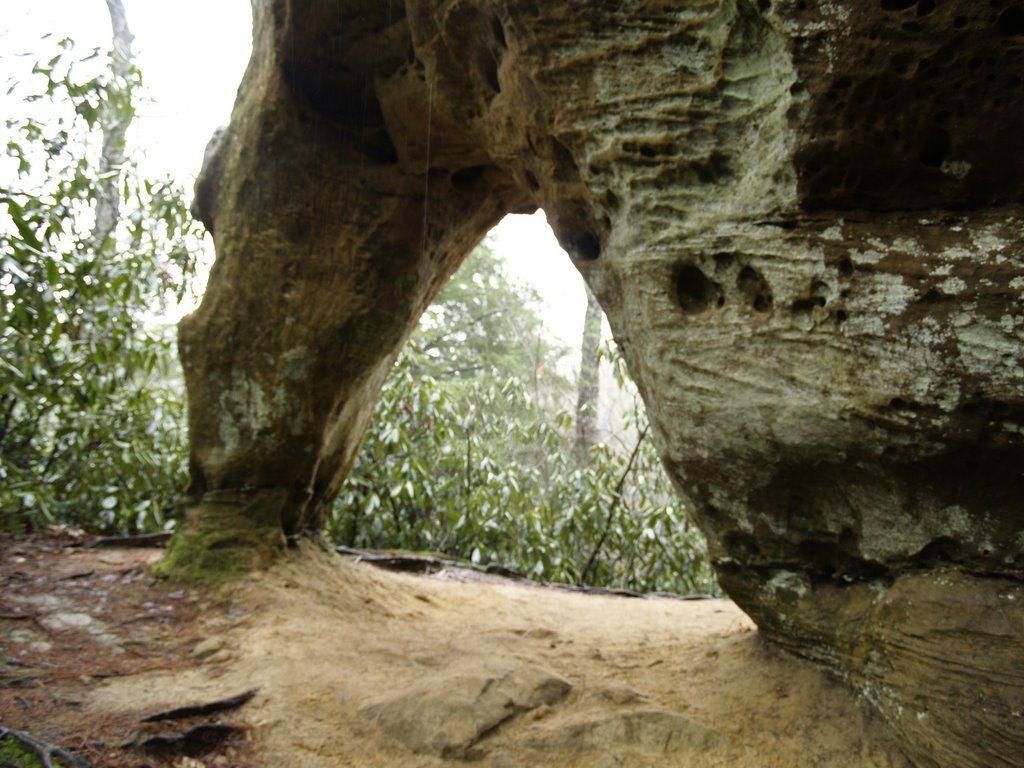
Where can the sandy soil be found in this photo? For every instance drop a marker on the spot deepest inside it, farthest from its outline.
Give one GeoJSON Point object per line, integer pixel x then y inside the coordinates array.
{"type": "Point", "coordinates": [360, 667]}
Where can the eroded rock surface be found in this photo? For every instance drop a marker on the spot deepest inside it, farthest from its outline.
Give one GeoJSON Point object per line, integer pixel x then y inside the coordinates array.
{"type": "Point", "coordinates": [446, 715]}
{"type": "Point", "coordinates": [804, 223]}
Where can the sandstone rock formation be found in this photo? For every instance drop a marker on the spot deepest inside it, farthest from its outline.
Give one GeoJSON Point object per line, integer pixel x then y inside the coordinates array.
{"type": "Point", "coordinates": [804, 223]}
{"type": "Point", "coordinates": [448, 714]}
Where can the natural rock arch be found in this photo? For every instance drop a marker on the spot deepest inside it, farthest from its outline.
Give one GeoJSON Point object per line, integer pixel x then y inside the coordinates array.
{"type": "Point", "coordinates": [804, 223]}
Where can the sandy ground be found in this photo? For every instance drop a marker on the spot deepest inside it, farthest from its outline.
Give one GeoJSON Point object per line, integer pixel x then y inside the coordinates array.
{"type": "Point", "coordinates": [360, 667]}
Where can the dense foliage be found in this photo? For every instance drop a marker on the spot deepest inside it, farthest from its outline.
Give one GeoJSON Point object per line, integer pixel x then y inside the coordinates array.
{"type": "Point", "coordinates": [482, 466]}
{"type": "Point", "coordinates": [90, 431]}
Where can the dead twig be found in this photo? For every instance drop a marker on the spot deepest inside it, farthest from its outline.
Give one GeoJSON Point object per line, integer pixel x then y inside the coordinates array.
{"type": "Point", "coordinates": [612, 509]}
{"type": "Point", "coordinates": [44, 753]}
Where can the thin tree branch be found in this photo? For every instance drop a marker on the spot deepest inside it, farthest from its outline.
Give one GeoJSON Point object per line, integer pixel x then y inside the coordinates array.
{"type": "Point", "coordinates": [616, 498]}
{"type": "Point", "coordinates": [115, 121]}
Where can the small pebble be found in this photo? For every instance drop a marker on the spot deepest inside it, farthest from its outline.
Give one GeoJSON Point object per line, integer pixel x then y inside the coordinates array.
{"type": "Point", "coordinates": [219, 657]}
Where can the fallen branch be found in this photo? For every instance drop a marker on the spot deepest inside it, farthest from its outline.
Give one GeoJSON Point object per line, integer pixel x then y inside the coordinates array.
{"type": "Point", "coordinates": [612, 508]}
{"type": "Point", "coordinates": [400, 561]}
{"type": "Point", "coordinates": [44, 753]}
{"type": "Point", "coordinates": [425, 564]}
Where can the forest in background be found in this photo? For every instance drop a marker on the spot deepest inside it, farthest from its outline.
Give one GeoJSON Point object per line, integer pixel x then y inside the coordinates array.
{"type": "Point", "coordinates": [481, 448]}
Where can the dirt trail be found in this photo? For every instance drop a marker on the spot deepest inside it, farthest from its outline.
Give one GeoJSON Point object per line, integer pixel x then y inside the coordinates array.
{"type": "Point", "coordinates": [361, 667]}
{"type": "Point", "coordinates": [71, 619]}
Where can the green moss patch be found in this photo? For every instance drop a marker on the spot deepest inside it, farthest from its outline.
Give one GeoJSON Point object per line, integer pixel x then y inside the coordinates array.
{"type": "Point", "coordinates": [227, 535]}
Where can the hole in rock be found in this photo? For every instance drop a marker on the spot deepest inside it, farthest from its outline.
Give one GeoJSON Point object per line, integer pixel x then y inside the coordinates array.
{"type": "Point", "coordinates": [940, 550]}
{"type": "Point", "coordinates": [715, 167]}
{"type": "Point", "coordinates": [586, 246]}
{"type": "Point", "coordinates": [845, 266]}
{"type": "Point", "coordinates": [499, 32]}
{"type": "Point", "coordinates": [490, 72]}
{"type": "Point", "coordinates": [804, 307]}
{"type": "Point", "coordinates": [820, 292]}
{"type": "Point", "coordinates": [695, 292]}
{"type": "Point", "coordinates": [468, 176]}
{"type": "Point", "coordinates": [925, 7]}
{"type": "Point", "coordinates": [472, 450]}
{"type": "Point", "coordinates": [749, 280]}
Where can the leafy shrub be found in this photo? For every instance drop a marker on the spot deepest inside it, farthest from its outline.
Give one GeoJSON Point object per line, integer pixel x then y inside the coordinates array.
{"type": "Point", "coordinates": [482, 468]}
{"type": "Point", "coordinates": [91, 427]}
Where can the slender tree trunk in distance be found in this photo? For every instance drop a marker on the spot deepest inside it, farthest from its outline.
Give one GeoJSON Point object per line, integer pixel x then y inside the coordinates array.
{"type": "Point", "coordinates": [589, 387]}
{"type": "Point", "coordinates": [116, 118]}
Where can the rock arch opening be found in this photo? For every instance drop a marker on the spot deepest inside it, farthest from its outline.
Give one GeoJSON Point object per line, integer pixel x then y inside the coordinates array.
{"type": "Point", "coordinates": [503, 437]}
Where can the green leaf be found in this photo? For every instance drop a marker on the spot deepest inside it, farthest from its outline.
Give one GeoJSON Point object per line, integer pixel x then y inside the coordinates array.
{"type": "Point", "coordinates": [28, 235]}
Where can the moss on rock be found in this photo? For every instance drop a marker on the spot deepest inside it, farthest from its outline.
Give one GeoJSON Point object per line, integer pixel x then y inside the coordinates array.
{"type": "Point", "coordinates": [227, 534]}
{"type": "Point", "coordinates": [13, 752]}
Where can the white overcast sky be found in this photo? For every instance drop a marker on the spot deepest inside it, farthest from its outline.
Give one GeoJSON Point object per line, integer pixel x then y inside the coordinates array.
{"type": "Point", "coordinates": [192, 54]}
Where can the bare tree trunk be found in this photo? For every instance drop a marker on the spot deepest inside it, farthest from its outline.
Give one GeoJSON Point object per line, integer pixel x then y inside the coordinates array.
{"type": "Point", "coordinates": [116, 117]}
{"type": "Point", "coordinates": [589, 387]}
